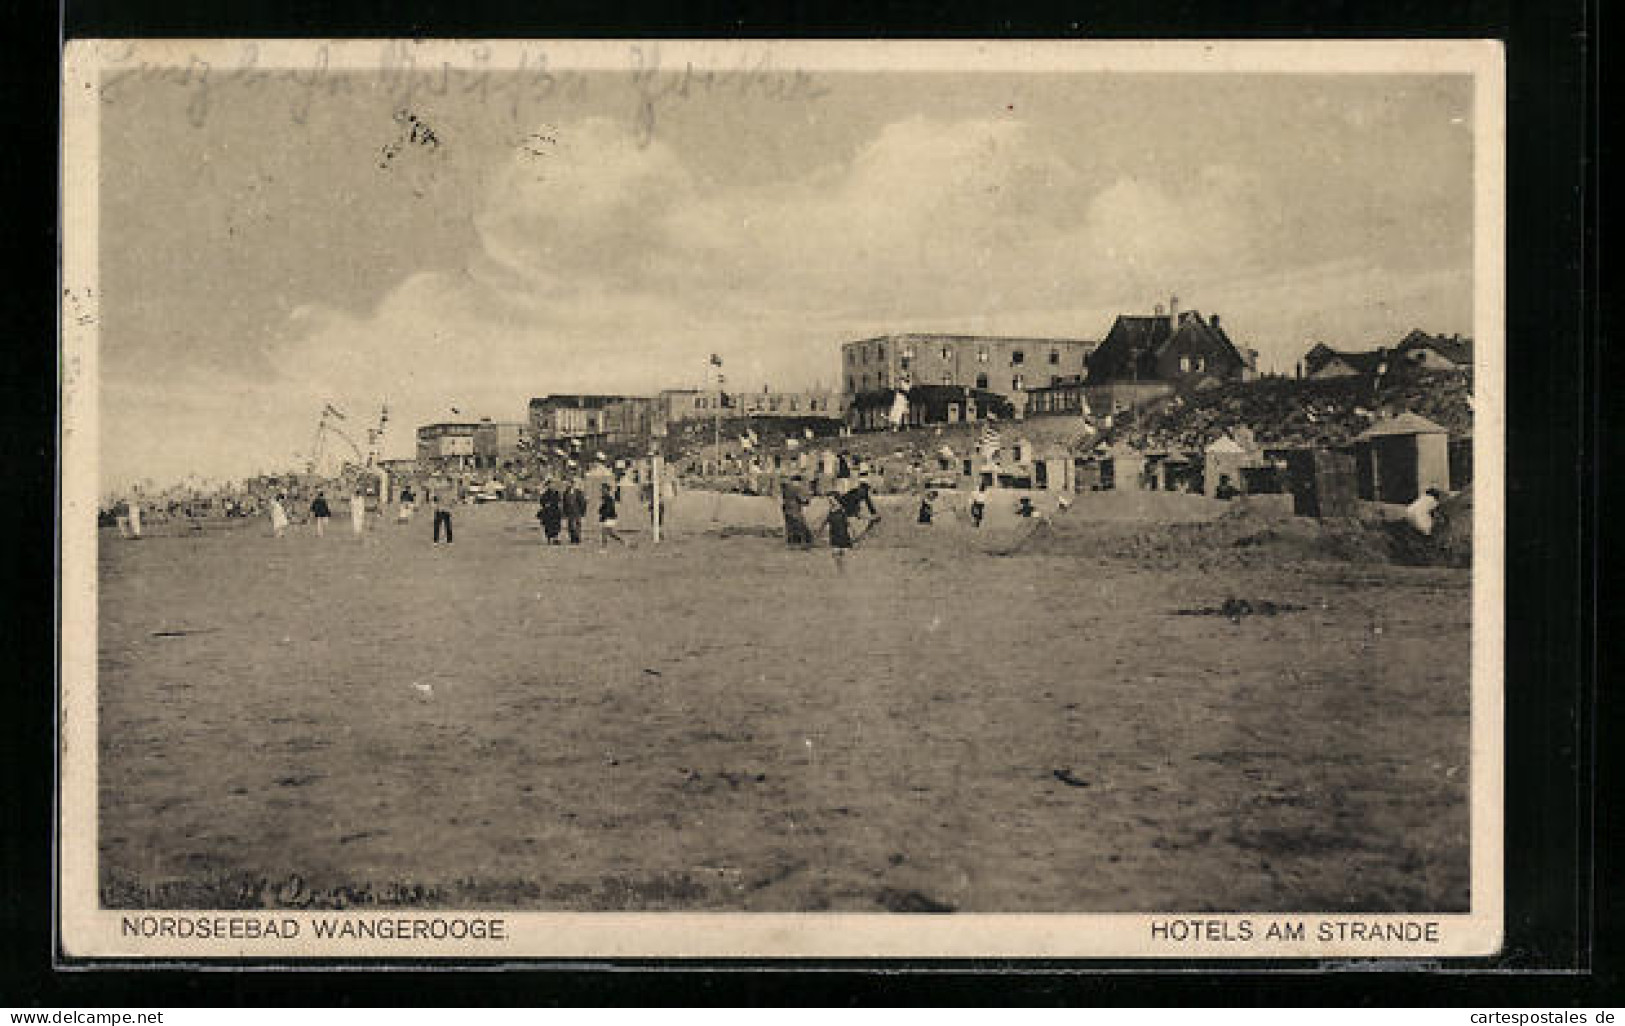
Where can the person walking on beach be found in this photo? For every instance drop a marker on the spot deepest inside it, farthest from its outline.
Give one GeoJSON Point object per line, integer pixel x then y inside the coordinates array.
{"type": "Point", "coordinates": [404, 513]}
{"type": "Point", "coordinates": [792, 501]}
{"type": "Point", "coordinates": [279, 517]}
{"type": "Point", "coordinates": [551, 513]}
{"type": "Point", "coordinates": [978, 506]}
{"type": "Point", "coordinates": [575, 508]}
{"type": "Point", "coordinates": [858, 503]}
{"type": "Point", "coordinates": [321, 512]}
{"type": "Point", "coordinates": [927, 507]}
{"type": "Point", "coordinates": [840, 532]}
{"type": "Point", "coordinates": [358, 513]}
{"type": "Point", "coordinates": [442, 516]}
{"type": "Point", "coordinates": [608, 518]}
{"type": "Point", "coordinates": [132, 516]}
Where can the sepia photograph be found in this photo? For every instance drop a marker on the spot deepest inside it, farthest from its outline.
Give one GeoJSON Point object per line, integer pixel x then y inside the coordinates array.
{"type": "Point", "coordinates": [733, 499]}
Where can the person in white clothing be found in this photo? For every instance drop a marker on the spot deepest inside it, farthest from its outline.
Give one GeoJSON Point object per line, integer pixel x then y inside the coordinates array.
{"type": "Point", "coordinates": [358, 513]}
{"type": "Point", "coordinates": [279, 518]}
{"type": "Point", "coordinates": [134, 506]}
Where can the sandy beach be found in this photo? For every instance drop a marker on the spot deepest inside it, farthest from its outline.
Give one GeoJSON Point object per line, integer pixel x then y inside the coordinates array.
{"type": "Point", "coordinates": [961, 722]}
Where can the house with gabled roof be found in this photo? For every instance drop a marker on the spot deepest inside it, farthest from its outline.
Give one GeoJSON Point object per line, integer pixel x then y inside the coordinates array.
{"type": "Point", "coordinates": [1417, 349]}
{"type": "Point", "coordinates": [1181, 348]}
{"type": "Point", "coordinates": [1322, 362]}
{"type": "Point", "coordinates": [1436, 352]}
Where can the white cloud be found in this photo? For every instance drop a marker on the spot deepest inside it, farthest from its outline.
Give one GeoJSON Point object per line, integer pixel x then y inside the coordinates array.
{"type": "Point", "coordinates": [606, 265]}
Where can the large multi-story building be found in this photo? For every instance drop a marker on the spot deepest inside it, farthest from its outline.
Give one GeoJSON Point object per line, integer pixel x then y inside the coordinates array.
{"type": "Point", "coordinates": [563, 417]}
{"type": "Point", "coordinates": [499, 442]}
{"type": "Point", "coordinates": [1002, 365]}
{"type": "Point", "coordinates": [446, 444]}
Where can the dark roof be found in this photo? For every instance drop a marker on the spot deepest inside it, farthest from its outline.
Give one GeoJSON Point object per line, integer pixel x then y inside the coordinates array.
{"type": "Point", "coordinates": [1361, 362]}
{"type": "Point", "coordinates": [578, 400]}
{"type": "Point", "coordinates": [1452, 347]}
{"type": "Point", "coordinates": [1149, 336]}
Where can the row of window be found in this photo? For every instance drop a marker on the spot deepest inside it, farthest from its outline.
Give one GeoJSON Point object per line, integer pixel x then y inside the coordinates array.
{"type": "Point", "coordinates": [774, 404]}
{"type": "Point", "coordinates": [861, 382]}
{"type": "Point", "coordinates": [1017, 356]}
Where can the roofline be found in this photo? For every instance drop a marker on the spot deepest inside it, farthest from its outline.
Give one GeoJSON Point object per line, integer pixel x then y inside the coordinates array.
{"type": "Point", "coordinates": [949, 337]}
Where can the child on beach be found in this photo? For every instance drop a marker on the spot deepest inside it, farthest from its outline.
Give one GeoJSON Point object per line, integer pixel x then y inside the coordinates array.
{"type": "Point", "coordinates": [608, 519]}
{"type": "Point", "coordinates": [927, 507]}
{"type": "Point", "coordinates": [840, 532]}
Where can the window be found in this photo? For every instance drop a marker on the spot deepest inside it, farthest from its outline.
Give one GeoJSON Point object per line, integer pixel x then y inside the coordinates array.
{"type": "Point", "coordinates": [851, 356]}
{"type": "Point", "coordinates": [1054, 356]}
{"type": "Point", "coordinates": [981, 381]}
{"type": "Point", "coordinates": [947, 354]}
{"type": "Point", "coordinates": [794, 404]}
{"type": "Point", "coordinates": [880, 380]}
{"type": "Point", "coordinates": [905, 362]}
{"type": "Point", "coordinates": [851, 386]}
{"type": "Point", "coordinates": [908, 354]}
{"type": "Point", "coordinates": [981, 355]}
{"type": "Point", "coordinates": [865, 380]}
{"type": "Point", "coordinates": [947, 378]}
{"type": "Point", "coordinates": [880, 351]}
{"type": "Point", "coordinates": [1017, 357]}
{"type": "Point", "coordinates": [1185, 364]}
{"type": "Point", "coordinates": [1016, 383]}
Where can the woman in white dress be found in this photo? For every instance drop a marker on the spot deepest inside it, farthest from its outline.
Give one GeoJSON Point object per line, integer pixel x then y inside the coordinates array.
{"type": "Point", "coordinates": [279, 518]}
{"type": "Point", "coordinates": [135, 517]}
{"type": "Point", "coordinates": [358, 513]}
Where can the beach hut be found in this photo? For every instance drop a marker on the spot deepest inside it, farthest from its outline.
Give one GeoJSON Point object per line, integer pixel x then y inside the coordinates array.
{"type": "Point", "coordinates": [1225, 457]}
{"type": "Point", "coordinates": [1399, 458]}
{"type": "Point", "coordinates": [1321, 481]}
{"type": "Point", "coordinates": [1127, 467]}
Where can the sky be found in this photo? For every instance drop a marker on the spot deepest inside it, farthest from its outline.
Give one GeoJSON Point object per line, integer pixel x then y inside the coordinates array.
{"type": "Point", "coordinates": [275, 245]}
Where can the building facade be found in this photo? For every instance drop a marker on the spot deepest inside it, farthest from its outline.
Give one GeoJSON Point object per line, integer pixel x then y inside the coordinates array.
{"type": "Point", "coordinates": [446, 444]}
{"type": "Point", "coordinates": [562, 417]}
{"type": "Point", "coordinates": [684, 405]}
{"type": "Point", "coordinates": [1003, 365]}
{"type": "Point", "coordinates": [499, 442]}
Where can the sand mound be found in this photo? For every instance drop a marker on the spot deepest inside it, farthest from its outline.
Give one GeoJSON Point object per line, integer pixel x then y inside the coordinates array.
{"type": "Point", "coordinates": [1242, 537]}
